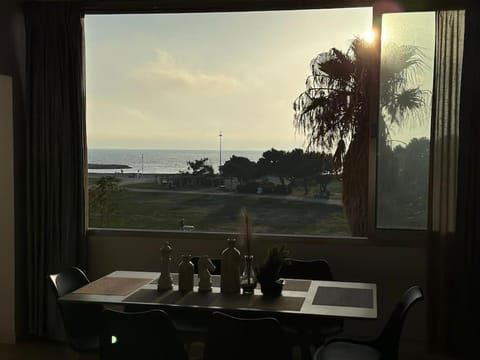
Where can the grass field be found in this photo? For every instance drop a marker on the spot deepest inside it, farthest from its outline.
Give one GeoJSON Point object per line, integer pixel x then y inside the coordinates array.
{"type": "Point", "coordinates": [334, 187]}
{"type": "Point", "coordinates": [164, 210]}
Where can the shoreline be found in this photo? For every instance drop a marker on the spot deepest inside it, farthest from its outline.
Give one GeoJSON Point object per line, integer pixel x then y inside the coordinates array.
{"type": "Point", "coordinates": [129, 174]}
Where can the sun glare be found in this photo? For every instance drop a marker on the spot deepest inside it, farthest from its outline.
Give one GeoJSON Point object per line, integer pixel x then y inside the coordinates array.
{"type": "Point", "coordinates": [369, 36]}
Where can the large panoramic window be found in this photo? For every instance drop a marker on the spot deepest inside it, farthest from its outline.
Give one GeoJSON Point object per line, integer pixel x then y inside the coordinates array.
{"type": "Point", "coordinates": [193, 117]}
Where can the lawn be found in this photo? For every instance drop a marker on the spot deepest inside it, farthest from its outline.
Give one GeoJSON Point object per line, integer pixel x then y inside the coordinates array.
{"type": "Point", "coordinates": [164, 210]}
{"type": "Point", "coordinates": [334, 187]}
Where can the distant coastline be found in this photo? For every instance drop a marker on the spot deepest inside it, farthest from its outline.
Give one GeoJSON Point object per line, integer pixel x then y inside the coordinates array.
{"type": "Point", "coordinates": [108, 166]}
{"type": "Point", "coordinates": [159, 161]}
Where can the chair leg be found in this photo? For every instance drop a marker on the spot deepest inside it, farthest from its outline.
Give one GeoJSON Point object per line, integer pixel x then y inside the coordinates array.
{"type": "Point", "coordinates": [305, 345]}
{"type": "Point", "coordinates": [87, 356]}
{"type": "Point", "coordinates": [195, 350]}
{"type": "Point", "coordinates": [306, 352]}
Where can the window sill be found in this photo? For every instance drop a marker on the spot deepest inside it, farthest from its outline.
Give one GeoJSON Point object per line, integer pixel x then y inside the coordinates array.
{"type": "Point", "coordinates": [382, 238]}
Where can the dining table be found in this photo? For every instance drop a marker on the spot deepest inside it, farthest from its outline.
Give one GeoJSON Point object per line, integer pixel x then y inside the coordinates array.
{"type": "Point", "coordinates": [300, 301]}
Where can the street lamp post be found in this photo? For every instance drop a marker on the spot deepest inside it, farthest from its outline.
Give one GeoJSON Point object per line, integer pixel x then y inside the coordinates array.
{"type": "Point", "coordinates": [220, 163]}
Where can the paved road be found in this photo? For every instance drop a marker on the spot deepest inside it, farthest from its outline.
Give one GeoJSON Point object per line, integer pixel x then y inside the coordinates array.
{"type": "Point", "coordinates": [277, 197]}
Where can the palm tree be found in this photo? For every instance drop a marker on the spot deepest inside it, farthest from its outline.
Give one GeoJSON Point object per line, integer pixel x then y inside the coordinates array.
{"type": "Point", "coordinates": [333, 112]}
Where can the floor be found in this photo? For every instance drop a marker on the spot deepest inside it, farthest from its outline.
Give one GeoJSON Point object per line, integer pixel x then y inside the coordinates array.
{"type": "Point", "coordinates": [47, 350]}
{"type": "Point", "coordinates": [38, 350]}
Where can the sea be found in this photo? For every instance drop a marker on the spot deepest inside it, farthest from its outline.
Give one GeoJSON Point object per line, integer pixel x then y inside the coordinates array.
{"type": "Point", "coordinates": [161, 161]}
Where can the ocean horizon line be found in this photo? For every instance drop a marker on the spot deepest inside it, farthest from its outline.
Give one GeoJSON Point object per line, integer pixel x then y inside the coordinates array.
{"type": "Point", "coordinates": [138, 149]}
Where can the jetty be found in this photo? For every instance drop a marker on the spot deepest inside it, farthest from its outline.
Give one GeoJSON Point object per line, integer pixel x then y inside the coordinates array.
{"type": "Point", "coordinates": [108, 166]}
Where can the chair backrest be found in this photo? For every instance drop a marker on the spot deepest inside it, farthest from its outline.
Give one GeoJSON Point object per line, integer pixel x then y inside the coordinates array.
{"type": "Point", "coordinates": [81, 321]}
{"type": "Point", "coordinates": [140, 336]}
{"type": "Point", "coordinates": [307, 269]}
{"type": "Point", "coordinates": [239, 339]}
{"type": "Point", "coordinates": [216, 262]}
{"type": "Point", "coordinates": [388, 340]}
{"type": "Point", "coordinates": [68, 281]}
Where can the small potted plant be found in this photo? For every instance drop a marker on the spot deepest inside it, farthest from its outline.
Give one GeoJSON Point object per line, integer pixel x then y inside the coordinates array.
{"type": "Point", "coordinates": [269, 272]}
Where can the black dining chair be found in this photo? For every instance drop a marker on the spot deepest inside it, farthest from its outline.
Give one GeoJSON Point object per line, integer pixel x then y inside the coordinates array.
{"type": "Point", "coordinates": [312, 335]}
{"type": "Point", "coordinates": [194, 324]}
{"type": "Point", "coordinates": [235, 338]}
{"type": "Point", "coordinates": [317, 269]}
{"type": "Point", "coordinates": [384, 347]}
{"type": "Point", "coordinates": [81, 321]}
{"type": "Point", "coordinates": [144, 335]}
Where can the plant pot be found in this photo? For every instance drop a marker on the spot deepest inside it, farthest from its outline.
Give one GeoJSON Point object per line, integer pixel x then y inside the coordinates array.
{"type": "Point", "coordinates": [272, 288]}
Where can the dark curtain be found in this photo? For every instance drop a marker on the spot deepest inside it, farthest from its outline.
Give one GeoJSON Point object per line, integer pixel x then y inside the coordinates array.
{"type": "Point", "coordinates": [468, 195]}
{"type": "Point", "coordinates": [454, 251]}
{"type": "Point", "coordinates": [445, 131]}
{"type": "Point", "coordinates": [55, 153]}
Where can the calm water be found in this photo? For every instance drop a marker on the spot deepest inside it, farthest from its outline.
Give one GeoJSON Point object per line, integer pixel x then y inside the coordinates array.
{"type": "Point", "coordinates": [162, 161]}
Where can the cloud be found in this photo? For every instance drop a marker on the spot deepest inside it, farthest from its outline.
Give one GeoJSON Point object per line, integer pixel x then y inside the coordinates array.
{"type": "Point", "coordinates": [165, 71]}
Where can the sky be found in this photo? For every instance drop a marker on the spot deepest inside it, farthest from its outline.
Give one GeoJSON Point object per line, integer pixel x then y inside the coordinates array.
{"type": "Point", "coordinates": [174, 81]}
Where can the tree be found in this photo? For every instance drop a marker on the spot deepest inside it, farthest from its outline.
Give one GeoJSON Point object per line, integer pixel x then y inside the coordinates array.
{"type": "Point", "coordinates": [318, 166]}
{"type": "Point", "coordinates": [273, 162]}
{"type": "Point", "coordinates": [297, 164]}
{"type": "Point", "coordinates": [100, 196]}
{"type": "Point", "coordinates": [333, 112]}
{"type": "Point", "coordinates": [293, 165]}
{"type": "Point", "coordinates": [239, 167]}
{"type": "Point", "coordinates": [416, 159]}
{"type": "Point", "coordinates": [199, 167]}
{"type": "Point", "coordinates": [402, 193]}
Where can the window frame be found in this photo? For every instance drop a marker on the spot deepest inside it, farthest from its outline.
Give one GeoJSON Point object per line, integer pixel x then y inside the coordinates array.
{"type": "Point", "coordinates": [375, 236]}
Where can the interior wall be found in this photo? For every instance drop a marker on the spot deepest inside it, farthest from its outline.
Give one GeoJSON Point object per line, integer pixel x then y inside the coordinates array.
{"type": "Point", "coordinates": [12, 63]}
{"type": "Point", "coordinates": [393, 269]}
